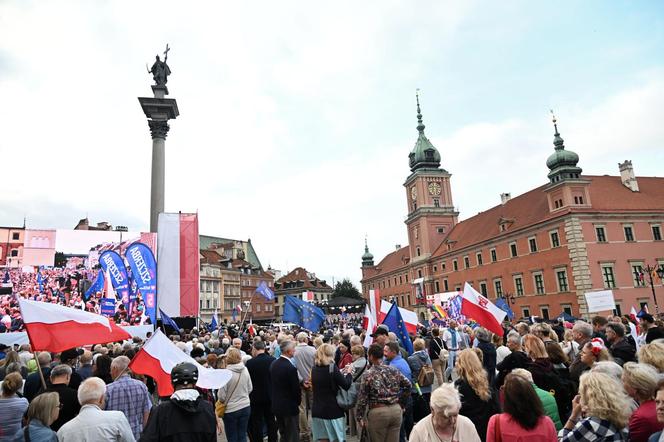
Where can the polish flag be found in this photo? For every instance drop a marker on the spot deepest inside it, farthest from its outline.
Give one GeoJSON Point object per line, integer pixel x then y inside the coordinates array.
{"type": "Point", "coordinates": [409, 317]}
{"type": "Point", "coordinates": [158, 357]}
{"type": "Point", "coordinates": [308, 296]}
{"type": "Point", "coordinates": [55, 328]}
{"type": "Point", "coordinates": [632, 314]}
{"type": "Point", "coordinates": [178, 261]}
{"type": "Point", "coordinates": [370, 320]}
{"type": "Point", "coordinates": [479, 308]}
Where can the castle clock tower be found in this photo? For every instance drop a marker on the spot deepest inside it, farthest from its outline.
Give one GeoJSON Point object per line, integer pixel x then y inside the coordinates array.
{"type": "Point", "coordinates": [431, 212]}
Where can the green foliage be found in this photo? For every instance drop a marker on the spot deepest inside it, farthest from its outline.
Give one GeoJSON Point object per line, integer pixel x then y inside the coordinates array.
{"type": "Point", "coordinates": [346, 289]}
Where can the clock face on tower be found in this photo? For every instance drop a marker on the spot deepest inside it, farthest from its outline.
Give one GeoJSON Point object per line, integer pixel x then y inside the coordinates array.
{"type": "Point", "coordinates": [413, 193]}
{"type": "Point", "coordinates": [434, 189]}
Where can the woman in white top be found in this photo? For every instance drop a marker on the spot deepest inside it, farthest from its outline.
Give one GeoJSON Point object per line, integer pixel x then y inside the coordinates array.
{"type": "Point", "coordinates": [235, 394]}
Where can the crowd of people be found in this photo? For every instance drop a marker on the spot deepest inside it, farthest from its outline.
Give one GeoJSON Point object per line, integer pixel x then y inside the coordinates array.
{"type": "Point", "coordinates": [544, 381]}
{"type": "Point", "coordinates": [64, 286]}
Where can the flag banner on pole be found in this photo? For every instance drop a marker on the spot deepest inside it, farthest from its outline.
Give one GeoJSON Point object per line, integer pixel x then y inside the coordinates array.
{"type": "Point", "coordinates": [396, 324]}
{"type": "Point", "coordinates": [144, 272]}
{"type": "Point", "coordinates": [55, 328]}
{"type": "Point", "coordinates": [481, 310]}
{"type": "Point", "coordinates": [409, 317]}
{"type": "Point", "coordinates": [167, 320]}
{"type": "Point", "coordinates": [303, 313]}
{"type": "Point", "coordinates": [308, 296]}
{"type": "Point", "coordinates": [179, 266]}
{"type": "Point", "coordinates": [158, 357]}
{"type": "Point", "coordinates": [370, 320]}
{"type": "Point", "coordinates": [113, 264]}
{"type": "Point", "coordinates": [214, 324]}
{"type": "Point", "coordinates": [97, 286]}
{"type": "Point", "coordinates": [265, 291]}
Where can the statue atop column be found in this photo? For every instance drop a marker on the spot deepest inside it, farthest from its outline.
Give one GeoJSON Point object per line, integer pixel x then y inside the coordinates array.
{"type": "Point", "coordinates": [160, 70]}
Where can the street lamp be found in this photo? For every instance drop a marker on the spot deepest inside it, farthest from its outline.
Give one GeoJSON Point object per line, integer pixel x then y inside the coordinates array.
{"type": "Point", "coordinates": [660, 273]}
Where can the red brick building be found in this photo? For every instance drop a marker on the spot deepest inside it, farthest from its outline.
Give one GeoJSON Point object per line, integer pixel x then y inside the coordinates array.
{"type": "Point", "coordinates": [296, 282]}
{"type": "Point", "coordinates": [541, 250]}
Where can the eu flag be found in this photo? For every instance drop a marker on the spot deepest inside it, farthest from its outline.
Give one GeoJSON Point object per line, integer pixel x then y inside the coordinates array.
{"type": "Point", "coordinates": [303, 313]}
{"type": "Point", "coordinates": [395, 324]}
{"type": "Point", "coordinates": [213, 324]}
{"type": "Point", "coordinates": [96, 286]}
{"type": "Point", "coordinates": [167, 320]}
{"type": "Point", "coordinates": [501, 304]}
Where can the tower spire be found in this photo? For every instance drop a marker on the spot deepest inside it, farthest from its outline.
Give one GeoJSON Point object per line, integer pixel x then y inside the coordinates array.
{"type": "Point", "coordinates": [558, 142]}
{"type": "Point", "coordinates": [420, 124]}
{"type": "Point", "coordinates": [367, 258]}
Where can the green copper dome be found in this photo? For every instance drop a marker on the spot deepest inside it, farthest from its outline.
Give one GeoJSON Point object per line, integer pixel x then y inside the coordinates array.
{"type": "Point", "coordinates": [423, 155]}
{"type": "Point", "coordinates": [367, 258]}
{"type": "Point", "coordinates": [562, 163]}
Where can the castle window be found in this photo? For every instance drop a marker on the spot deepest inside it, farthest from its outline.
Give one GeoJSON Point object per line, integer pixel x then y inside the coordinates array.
{"type": "Point", "coordinates": [466, 262]}
{"type": "Point", "coordinates": [494, 258]}
{"type": "Point", "coordinates": [441, 229]}
{"type": "Point", "coordinates": [513, 250]}
{"type": "Point", "coordinates": [479, 259]}
{"type": "Point", "coordinates": [455, 265]}
{"type": "Point", "coordinates": [436, 202]}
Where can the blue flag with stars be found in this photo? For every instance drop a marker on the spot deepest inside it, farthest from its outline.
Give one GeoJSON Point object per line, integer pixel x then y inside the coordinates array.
{"type": "Point", "coordinates": [167, 320]}
{"type": "Point", "coordinates": [395, 324]}
{"type": "Point", "coordinates": [302, 313]}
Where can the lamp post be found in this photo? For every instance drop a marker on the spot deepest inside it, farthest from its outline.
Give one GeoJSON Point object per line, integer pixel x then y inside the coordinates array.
{"type": "Point", "coordinates": [660, 273]}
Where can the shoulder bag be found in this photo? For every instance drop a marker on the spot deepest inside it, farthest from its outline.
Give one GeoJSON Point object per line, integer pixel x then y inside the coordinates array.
{"type": "Point", "coordinates": [346, 399]}
{"type": "Point", "coordinates": [220, 407]}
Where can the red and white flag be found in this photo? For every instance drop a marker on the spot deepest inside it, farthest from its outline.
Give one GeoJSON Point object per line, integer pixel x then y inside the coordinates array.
{"type": "Point", "coordinates": [484, 312]}
{"type": "Point", "coordinates": [108, 286]}
{"type": "Point", "coordinates": [632, 314]}
{"type": "Point", "coordinates": [178, 263]}
{"type": "Point", "coordinates": [308, 296]}
{"type": "Point", "coordinates": [409, 317]}
{"type": "Point", "coordinates": [55, 328]}
{"type": "Point", "coordinates": [158, 357]}
{"type": "Point", "coordinates": [370, 320]}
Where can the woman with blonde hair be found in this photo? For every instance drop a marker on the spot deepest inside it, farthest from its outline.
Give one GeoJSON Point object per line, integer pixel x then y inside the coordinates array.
{"type": "Point", "coordinates": [445, 423]}
{"type": "Point", "coordinates": [640, 383]}
{"type": "Point", "coordinates": [540, 365]}
{"type": "Point", "coordinates": [327, 417]}
{"type": "Point", "coordinates": [600, 412]}
{"type": "Point", "coordinates": [653, 354]}
{"type": "Point", "coordinates": [235, 396]}
{"type": "Point", "coordinates": [478, 403]}
{"type": "Point", "coordinates": [593, 352]}
{"type": "Point", "coordinates": [569, 345]}
{"type": "Point", "coordinates": [42, 412]}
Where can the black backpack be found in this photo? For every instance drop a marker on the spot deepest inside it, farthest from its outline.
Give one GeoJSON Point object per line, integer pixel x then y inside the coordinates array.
{"type": "Point", "coordinates": [563, 389]}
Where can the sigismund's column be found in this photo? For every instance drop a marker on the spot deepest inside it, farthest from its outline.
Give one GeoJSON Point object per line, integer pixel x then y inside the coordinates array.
{"type": "Point", "coordinates": [159, 110]}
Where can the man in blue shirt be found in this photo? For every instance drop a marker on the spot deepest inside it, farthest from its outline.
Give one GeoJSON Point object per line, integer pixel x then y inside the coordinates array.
{"type": "Point", "coordinates": [393, 358]}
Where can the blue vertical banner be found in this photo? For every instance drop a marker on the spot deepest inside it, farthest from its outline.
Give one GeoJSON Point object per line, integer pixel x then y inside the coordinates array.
{"type": "Point", "coordinates": [144, 272]}
{"type": "Point", "coordinates": [107, 307]}
{"type": "Point", "coordinates": [112, 263]}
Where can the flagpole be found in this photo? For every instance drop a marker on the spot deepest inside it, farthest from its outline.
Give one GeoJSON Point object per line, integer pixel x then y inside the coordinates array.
{"type": "Point", "coordinates": [251, 300]}
{"type": "Point", "coordinates": [35, 354]}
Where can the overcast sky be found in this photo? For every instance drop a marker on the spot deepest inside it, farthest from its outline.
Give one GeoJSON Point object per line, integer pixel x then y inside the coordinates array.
{"type": "Point", "coordinates": [296, 118]}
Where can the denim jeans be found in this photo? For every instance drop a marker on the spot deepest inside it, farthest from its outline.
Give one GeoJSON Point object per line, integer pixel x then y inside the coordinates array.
{"type": "Point", "coordinates": [235, 425]}
{"type": "Point", "coordinates": [451, 360]}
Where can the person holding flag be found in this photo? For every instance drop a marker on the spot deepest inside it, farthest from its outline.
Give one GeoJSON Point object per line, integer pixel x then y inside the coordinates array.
{"type": "Point", "coordinates": [213, 323]}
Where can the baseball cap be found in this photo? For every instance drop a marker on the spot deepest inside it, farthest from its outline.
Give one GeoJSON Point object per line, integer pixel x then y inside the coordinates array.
{"type": "Point", "coordinates": [381, 330]}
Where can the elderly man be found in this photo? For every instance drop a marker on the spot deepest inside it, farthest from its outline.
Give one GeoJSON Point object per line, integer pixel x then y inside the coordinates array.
{"type": "Point", "coordinates": [93, 423]}
{"type": "Point", "coordinates": [304, 361]}
{"type": "Point", "coordinates": [516, 359]}
{"type": "Point", "coordinates": [582, 333]}
{"type": "Point", "coordinates": [69, 405]}
{"type": "Point", "coordinates": [286, 393]}
{"type": "Point", "coordinates": [128, 396]}
{"type": "Point", "coordinates": [33, 381]}
{"type": "Point", "coordinates": [85, 369]}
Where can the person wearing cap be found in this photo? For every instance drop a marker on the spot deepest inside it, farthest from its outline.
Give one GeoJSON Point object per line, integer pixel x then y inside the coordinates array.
{"type": "Point", "coordinates": [381, 335]}
{"type": "Point", "coordinates": [70, 357]}
{"type": "Point", "coordinates": [186, 416]}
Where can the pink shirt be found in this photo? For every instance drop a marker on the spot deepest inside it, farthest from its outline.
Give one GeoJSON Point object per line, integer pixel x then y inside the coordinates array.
{"type": "Point", "coordinates": [511, 431]}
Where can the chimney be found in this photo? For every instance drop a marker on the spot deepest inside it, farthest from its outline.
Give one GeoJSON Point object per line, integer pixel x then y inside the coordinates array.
{"type": "Point", "coordinates": [505, 197]}
{"type": "Point", "coordinates": [397, 246]}
{"type": "Point", "coordinates": [627, 176]}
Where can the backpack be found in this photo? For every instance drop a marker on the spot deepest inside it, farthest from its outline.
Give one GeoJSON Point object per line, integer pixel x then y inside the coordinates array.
{"type": "Point", "coordinates": [563, 390]}
{"type": "Point", "coordinates": [346, 399]}
{"type": "Point", "coordinates": [425, 378]}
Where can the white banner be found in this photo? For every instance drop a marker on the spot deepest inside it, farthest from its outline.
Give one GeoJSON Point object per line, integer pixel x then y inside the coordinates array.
{"type": "Point", "coordinates": [600, 301]}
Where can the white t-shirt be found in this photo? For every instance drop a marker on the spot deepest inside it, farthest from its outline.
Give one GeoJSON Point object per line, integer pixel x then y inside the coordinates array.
{"type": "Point", "coordinates": [447, 338]}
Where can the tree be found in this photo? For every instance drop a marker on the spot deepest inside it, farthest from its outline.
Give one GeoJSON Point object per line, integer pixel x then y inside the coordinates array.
{"type": "Point", "coordinates": [346, 289]}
